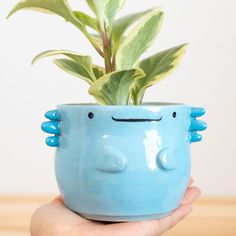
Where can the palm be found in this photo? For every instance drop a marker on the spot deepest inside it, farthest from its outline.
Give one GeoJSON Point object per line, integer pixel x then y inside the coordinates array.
{"type": "Point", "coordinates": [56, 219]}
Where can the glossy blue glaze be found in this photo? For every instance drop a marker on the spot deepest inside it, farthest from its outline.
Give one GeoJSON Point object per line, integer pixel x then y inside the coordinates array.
{"type": "Point", "coordinates": [197, 125]}
{"type": "Point", "coordinates": [195, 137]}
{"type": "Point", "coordinates": [123, 163]}
{"type": "Point", "coordinates": [51, 127]}
{"type": "Point", "coordinates": [53, 115]}
{"type": "Point", "coordinates": [53, 141]}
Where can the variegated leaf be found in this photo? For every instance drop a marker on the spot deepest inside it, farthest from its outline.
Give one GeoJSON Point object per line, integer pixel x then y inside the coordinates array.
{"type": "Point", "coordinates": [87, 20]}
{"type": "Point", "coordinates": [115, 88]}
{"type": "Point", "coordinates": [59, 7]}
{"type": "Point", "coordinates": [98, 71]}
{"type": "Point", "coordinates": [85, 62]}
{"type": "Point", "coordinates": [156, 68]}
{"type": "Point", "coordinates": [99, 7]}
{"type": "Point", "coordinates": [74, 68]}
{"type": "Point", "coordinates": [113, 7]}
{"type": "Point", "coordinates": [138, 40]}
{"type": "Point", "coordinates": [122, 24]}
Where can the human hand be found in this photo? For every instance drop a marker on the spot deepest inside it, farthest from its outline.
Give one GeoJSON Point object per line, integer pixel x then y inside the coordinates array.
{"type": "Point", "coordinates": [55, 219]}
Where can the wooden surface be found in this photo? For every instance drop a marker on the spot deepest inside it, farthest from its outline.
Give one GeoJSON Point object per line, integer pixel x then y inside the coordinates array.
{"type": "Point", "coordinates": [211, 217]}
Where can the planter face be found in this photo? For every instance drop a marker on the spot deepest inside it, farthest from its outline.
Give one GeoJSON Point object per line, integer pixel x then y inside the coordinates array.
{"type": "Point", "coordinates": [119, 163]}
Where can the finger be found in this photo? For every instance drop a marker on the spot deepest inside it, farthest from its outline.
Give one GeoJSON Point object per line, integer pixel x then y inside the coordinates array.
{"type": "Point", "coordinates": [190, 181]}
{"type": "Point", "coordinates": [147, 228]}
{"type": "Point", "coordinates": [51, 127]}
{"type": "Point", "coordinates": [174, 218]}
{"type": "Point", "coordinates": [59, 199]}
{"type": "Point", "coordinates": [53, 115]}
{"type": "Point", "coordinates": [158, 227]}
{"type": "Point", "coordinates": [191, 195]}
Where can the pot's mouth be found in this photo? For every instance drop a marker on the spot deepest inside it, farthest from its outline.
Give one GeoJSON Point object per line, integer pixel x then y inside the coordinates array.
{"type": "Point", "coordinates": [136, 120]}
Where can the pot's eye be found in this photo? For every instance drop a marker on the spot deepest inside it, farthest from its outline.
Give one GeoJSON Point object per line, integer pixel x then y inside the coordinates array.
{"type": "Point", "coordinates": [174, 114]}
{"type": "Point", "coordinates": [90, 115]}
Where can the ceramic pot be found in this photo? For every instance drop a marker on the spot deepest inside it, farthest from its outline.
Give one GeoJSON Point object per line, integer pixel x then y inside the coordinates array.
{"type": "Point", "coordinates": [123, 163]}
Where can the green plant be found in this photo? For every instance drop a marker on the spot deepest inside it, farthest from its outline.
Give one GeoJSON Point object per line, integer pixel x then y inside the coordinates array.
{"type": "Point", "coordinates": [119, 42]}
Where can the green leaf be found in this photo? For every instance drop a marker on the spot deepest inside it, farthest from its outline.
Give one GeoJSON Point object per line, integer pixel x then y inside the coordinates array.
{"type": "Point", "coordinates": [87, 20]}
{"type": "Point", "coordinates": [84, 62]}
{"type": "Point", "coordinates": [113, 7]}
{"type": "Point", "coordinates": [156, 68]}
{"type": "Point", "coordinates": [121, 25]}
{"type": "Point", "coordinates": [138, 40]}
{"type": "Point", "coordinates": [59, 7]}
{"type": "Point", "coordinates": [115, 88]}
{"type": "Point", "coordinates": [74, 68]}
{"type": "Point", "coordinates": [98, 71]}
{"type": "Point", "coordinates": [99, 7]}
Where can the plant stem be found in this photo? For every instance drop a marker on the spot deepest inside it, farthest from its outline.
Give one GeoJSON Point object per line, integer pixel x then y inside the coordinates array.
{"type": "Point", "coordinates": [137, 98]}
{"type": "Point", "coordinates": [107, 52]}
{"type": "Point", "coordinates": [135, 101]}
{"type": "Point", "coordinates": [113, 64]}
{"type": "Point", "coordinates": [93, 43]}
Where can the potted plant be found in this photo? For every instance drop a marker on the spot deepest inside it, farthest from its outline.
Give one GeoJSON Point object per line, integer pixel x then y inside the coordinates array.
{"type": "Point", "coordinates": [119, 159]}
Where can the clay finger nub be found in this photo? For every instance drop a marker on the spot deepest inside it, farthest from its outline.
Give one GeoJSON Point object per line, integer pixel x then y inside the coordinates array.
{"type": "Point", "coordinates": [53, 141]}
{"type": "Point", "coordinates": [195, 137]}
{"type": "Point", "coordinates": [53, 115]}
{"type": "Point", "coordinates": [197, 112]}
{"type": "Point", "coordinates": [197, 125]}
{"type": "Point", "coordinates": [51, 127]}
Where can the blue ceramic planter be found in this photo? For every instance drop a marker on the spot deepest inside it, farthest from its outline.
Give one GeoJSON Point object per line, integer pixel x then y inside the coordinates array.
{"type": "Point", "coordinates": [123, 163]}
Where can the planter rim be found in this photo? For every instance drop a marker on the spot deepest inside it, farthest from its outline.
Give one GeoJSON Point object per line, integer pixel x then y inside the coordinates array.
{"type": "Point", "coordinates": [144, 105]}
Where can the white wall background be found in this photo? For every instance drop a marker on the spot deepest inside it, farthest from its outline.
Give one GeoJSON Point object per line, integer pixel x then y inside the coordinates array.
{"type": "Point", "coordinates": [207, 77]}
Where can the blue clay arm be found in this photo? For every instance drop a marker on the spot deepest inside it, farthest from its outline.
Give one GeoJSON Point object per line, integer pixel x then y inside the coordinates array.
{"type": "Point", "coordinates": [111, 160]}
{"type": "Point", "coordinates": [196, 125]}
{"type": "Point", "coordinates": [52, 127]}
{"type": "Point", "coordinates": [166, 159]}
